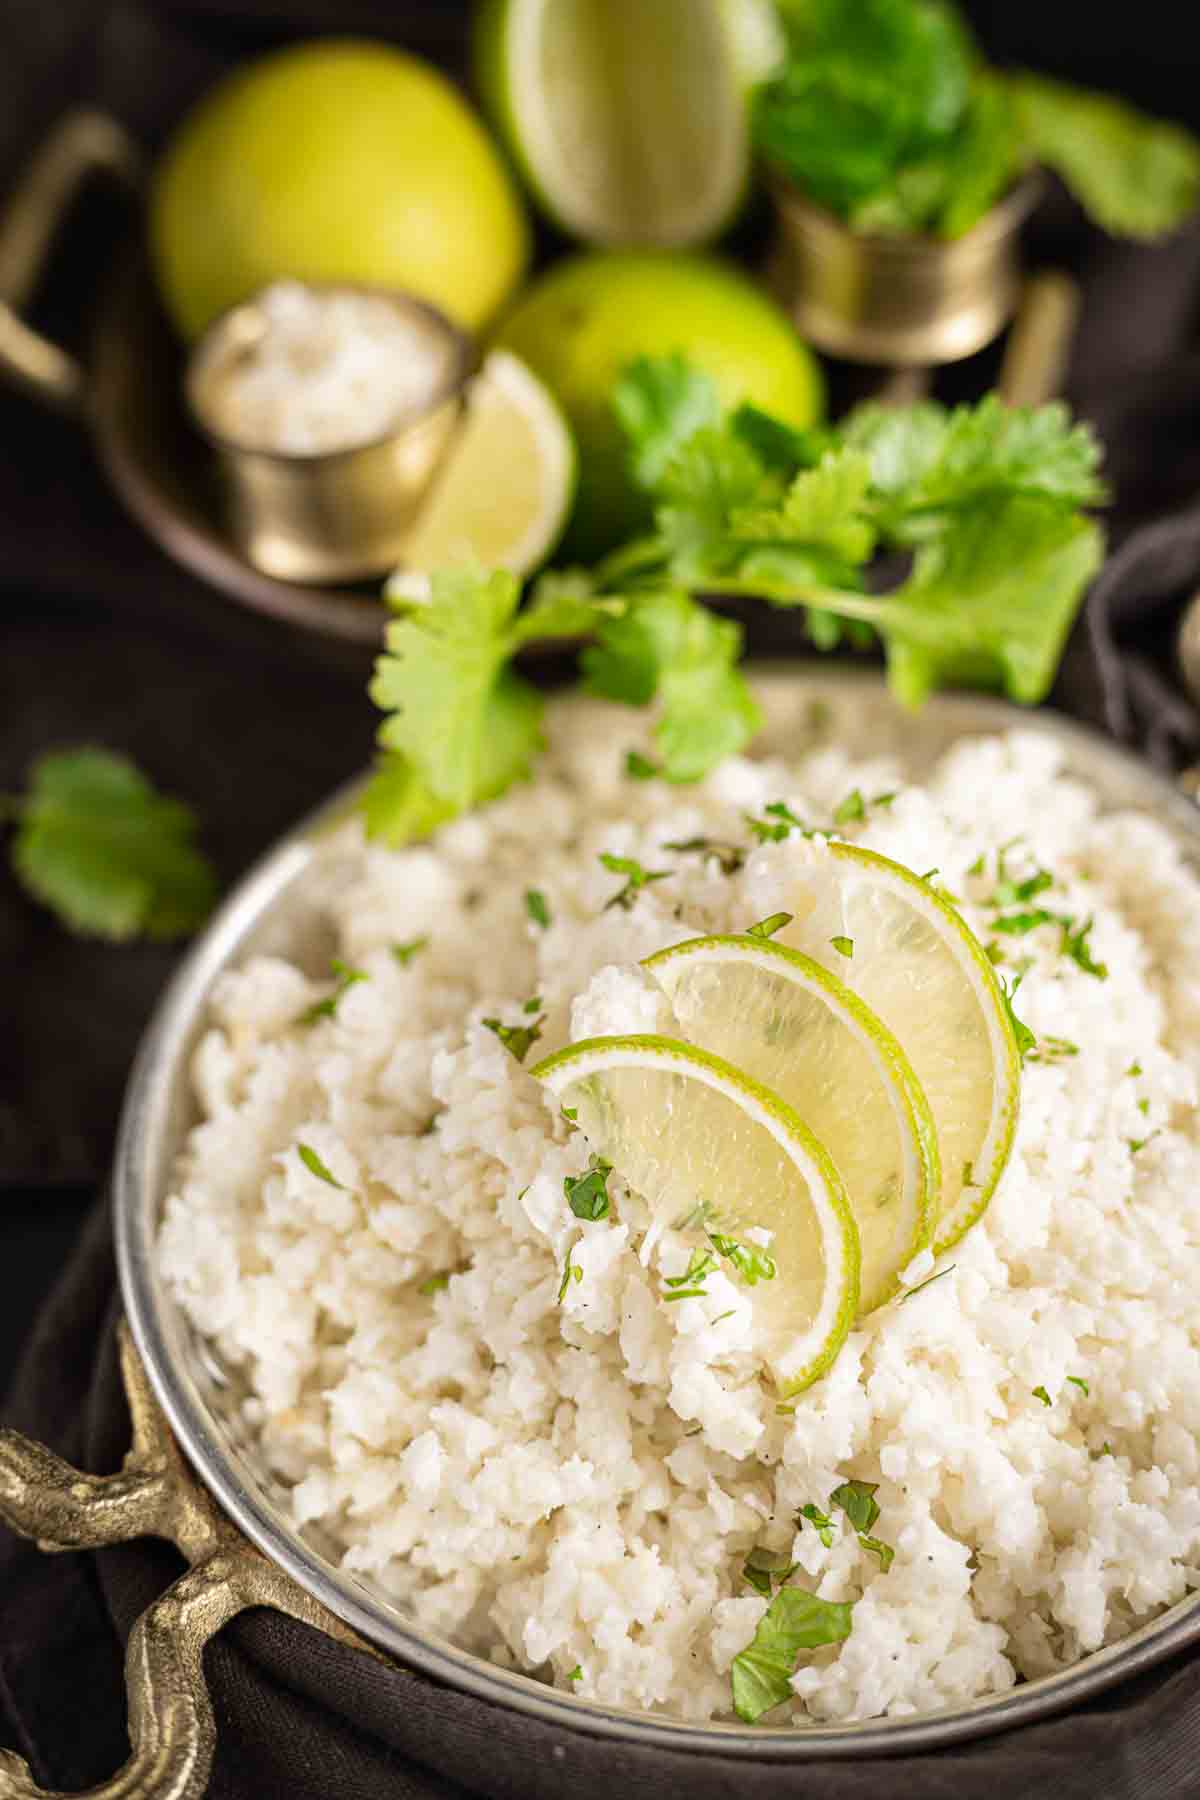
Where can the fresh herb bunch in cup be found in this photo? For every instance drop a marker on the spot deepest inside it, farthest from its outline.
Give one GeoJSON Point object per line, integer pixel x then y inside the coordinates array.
{"type": "Point", "coordinates": [885, 113]}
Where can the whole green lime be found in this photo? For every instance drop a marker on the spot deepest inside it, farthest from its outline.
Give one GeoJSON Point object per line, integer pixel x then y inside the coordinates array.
{"type": "Point", "coordinates": [338, 160]}
{"type": "Point", "coordinates": [585, 320]}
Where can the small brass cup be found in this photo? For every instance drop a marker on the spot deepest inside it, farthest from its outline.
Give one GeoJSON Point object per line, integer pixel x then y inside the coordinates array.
{"type": "Point", "coordinates": [904, 300]}
{"type": "Point", "coordinates": [329, 515]}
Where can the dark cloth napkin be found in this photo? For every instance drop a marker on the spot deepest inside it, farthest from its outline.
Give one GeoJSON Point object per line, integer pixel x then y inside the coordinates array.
{"type": "Point", "coordinates": [103, 640]}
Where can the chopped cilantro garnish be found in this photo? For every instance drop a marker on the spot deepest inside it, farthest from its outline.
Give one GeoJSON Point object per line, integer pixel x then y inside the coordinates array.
{"type": "Point", "coordinates": [766, 928]}
{"type": "Point", "coordinates": [537, 907]}
{"type": "Point", "coordinates": [690, 1285]}
{"type": "Point", "coordinates": [636, 878]}
{"type": "Point", "coordinates": [518, 1040]}
{"type": "Point", "coordinates": [976, 867]}
{"type": "Point", "coordinates": [877, 1547]}
{"type": "Point", "coordinates": [533, 1005]}
{"type": "Point", "coordinates": [571, 1272]}
{"type": "Point", "coordinates": [404, 953]}
{"type": "Point", "coordinates": [752, 1263]}
{"type": "Point", "coordinates": [857, 1501]}
{"type": "Point", "coordinates": [821, 1522]}
{"type": "Point", "coordinates": [315, 1166]}
{"type": "Point", "coordinates": [852, 807]}
{"type": "Point", "coordinates": [1134, 1069]}
{"type": "Point", "coordinates": [843, 945]}
{"type": "Point", "coordinates": [779, 823]}
{"type": "Point", "coordinates": [1143, 1105]}
{"type": "Point", "coordinates": [882, 800]}
{"type": "Point", "coordinates": [794, 1621]}
{"type": "Point", "coordinates": [435, 1283]}
{"type": "Point", "coordinates": [729, 856]}
{"type": "Point", "coordinates": [569, 1113]}
{"type": "Point", "coordinates": [1106, 1449]}
{"type": "Point", "coordinates": [764, 1569]}
{"type": "Point", "coordinates": [1020, 924]}
{"type": "Point", "coordinates": [1025, 1038]}
{"type": "Point", "coordinates": [1052, 1049]}
{"type": "Point", "coordinates": [968, 1174]}
{"type": "Point", "coordinates": [1075, 945]}
{"type": "Point", "coordinates": [1136, 1144]}
{"type": "Point", "coordinates": [346, 979]}
{"type": "Point", "coordinates": [576, 1674]}
{"type": "Point", "coordinates": [587, 1194]}
{"type": "Point", "coordinates": [639, 767]}
{"type": "Point", "coordinates": [928, 1282]}
{"type": "Point", "coordinates": [1080, 1383]}
{"type": "Point", "coordinates": [1039, 1393]}
{"type": "Point", "coordinates": [724, 1315]}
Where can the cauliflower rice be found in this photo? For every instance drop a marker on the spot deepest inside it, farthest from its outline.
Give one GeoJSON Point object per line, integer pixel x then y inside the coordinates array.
{"type": "Point", "coordinates": [571, 1487]}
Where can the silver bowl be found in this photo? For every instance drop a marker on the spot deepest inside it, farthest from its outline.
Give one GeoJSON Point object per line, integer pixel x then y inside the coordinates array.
{"type": "Point", "coordinates": [272, 910]}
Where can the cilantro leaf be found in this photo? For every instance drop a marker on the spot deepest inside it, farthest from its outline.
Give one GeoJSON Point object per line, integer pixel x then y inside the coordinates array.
{"type": "Point", "coordinates": [661, 402]}
{"type": "Point", "coordinates": [538, 907]}
{"type": "Point", "coordinates": [1079, 1382]}
{"type": "Point", "coordinates": [315, 1166]}
{"type": "Point", "coordinates": [852, 807]}
{"type": "Point", "coordinates": [636, 878]}
{"type": "Point", "coordinates": [766, 928]}
{"type": "Point", "coordinates": [346, 978]}
{"type": "Point", "coordinates": [404, 953]}
{"type": "Point", "coordinates": [764, 1570]}
{"type": "Point", "coordinates": [518, 1040]}
{"type": "Point", "coordinates": [752, 1263]}
{"type": "Point", "coordinates": [794, 1621]}
{"type": "Point", "coordinates": [857, 1501]}
{"type": "Point", "coordinates": [639, 767]}
{"type": "Point", "coordinates": [730, 857]}
{"type": "Point", "coordinates": [1138, 177]}
{"type": "Point", "coordinates": [821, 1522]}
{"type": "Point", "coordinates": [877, 1547]}
{"type": "Point", "coordinates": [1075, 945]}
{"type": "Point", "coordinates": [109, 855]}
{"type": "Point", "coordinates": [843, 945]}
{"type": "Point", "coordinates": [434, 1284]}
{"type": "Point", "coordinates": [824, 510]}
{"type": "Point", "coordinates": [1039, 1393]}
{"type": "Point", "coordinates": [587, 1194]}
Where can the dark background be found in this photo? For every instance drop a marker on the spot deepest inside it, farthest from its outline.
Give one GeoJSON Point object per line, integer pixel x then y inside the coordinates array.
{"type": "Point", "coordinates": [103, 640]}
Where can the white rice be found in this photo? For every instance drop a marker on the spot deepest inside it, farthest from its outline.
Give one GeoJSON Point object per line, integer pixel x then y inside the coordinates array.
{"type": "Point", "coordinates": [576, 1485]}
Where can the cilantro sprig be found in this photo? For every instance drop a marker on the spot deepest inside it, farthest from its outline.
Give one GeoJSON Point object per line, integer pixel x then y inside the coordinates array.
{"type": "Point", "coordinates": [108, 854]}
{"type": "Point", "coordinates": [885, 113]}
{"type": "Point", "coordinates": [795, 1620]}
{"type": "Point", "coordinates": [987, 501]}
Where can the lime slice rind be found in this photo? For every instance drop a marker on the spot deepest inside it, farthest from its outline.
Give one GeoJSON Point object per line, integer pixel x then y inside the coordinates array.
{"type": "Point", "coordinates": [569, 1075]}
{"type": "Point", "coordinates": [916, 1202]}
{"type": "Point", "coordinates": [963, 1200]}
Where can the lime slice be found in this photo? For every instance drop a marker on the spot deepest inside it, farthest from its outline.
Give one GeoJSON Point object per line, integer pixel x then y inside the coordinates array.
{"type": "Point", "coordinates": [919, 967]}
{"type": "Point", "coordinates": [787, 1022]}
{"type": "Point", "coordinates": [701, 1141]}
{"type": "Point", "coordinates": [501, 497]}
{"type": "Point", "coordinates": [627, 117]}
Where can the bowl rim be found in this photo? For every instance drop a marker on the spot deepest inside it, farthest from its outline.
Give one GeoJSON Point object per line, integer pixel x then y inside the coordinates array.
{"type": "Point", "coordinates": [142, 1163]}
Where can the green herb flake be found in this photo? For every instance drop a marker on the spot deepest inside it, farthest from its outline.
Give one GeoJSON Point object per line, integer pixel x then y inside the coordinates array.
{"type": "Point", "coordinates": [315, 1166]}
{"type": "Point", "coordinates": [1134, 1069]}
{"type": "Point", "coordinates": [538, 908]}
{"type": "Point", "coordinates": [346, 978]}
{"type": "Point", "coordinates": [1136, 1144]}
{"type": "Point", "coordinates": [576, 1674]}
{"type": "Point", "coordinates": [1039, 1393]}
{"type": "Point", "coordinates": [778, 825]}
{"type": "Point", "coordinates": [883, 801]}
{"type": "Point", "coordinates": [1106, 1449]}
{"type": "Point", "coordinates": [857, 1501]}
{"type": "Point", "coordinates": [821, 1522]}
{"type": "Point", "coordinates": [571, 1272]}
{"type": "Point", "coordinates": [843, 945]}
{"type": "Point", "coordinates": [752, 1263]}
{"type": "Point", "coordinates": [1080, 1383]}
{"type": "Point", "coordinates": [729, 856]}
{"type": "Point", "coordinates": [1052, 1049]}
{"type": "Point", "coordinates": [794, 1621]}
{"type": "Point", "coordinates": [877, 1547]}
{"type": "Point", "coordinates": [518, 1040]}
{"type": "Point", "coordinates": [1143, 1105]}
{"type": "Point", "coordinates": [724, 1315]}
{"type": "Point", "coordinates": [1026, 1041]}
{"type": "Point", "coordinates": [587, 1194]}
{"type": "Point", "coordinates": [690, 1285]}
{"type": "Point", "coordinates": [968, 1174]}
{"type": "Point", "coordinates": [1074, 943]}
{"type": "Point", "coordinates": [766, 928]}
{"type": "Point", "coordinates": [851, 808]}
{"type": "Point", "coordinates": [404, 953]}
{"type": "Point", "coordinates": [569, 1113]}
{"type": "Point", "coordinates": [911, 1293]}
{"type": "Point", "coordinates": [636, 878]}
{"type": "Point", "coordinates": [976, 867]}
{"type": "Point", "coordinates": [765, 1569]}
{"type": "Point", "coordinates": [639, 767]}
{"type": "Point", "coordinates": [435, 1284]}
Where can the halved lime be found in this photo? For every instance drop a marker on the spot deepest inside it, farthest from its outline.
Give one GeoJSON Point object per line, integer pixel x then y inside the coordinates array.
{"type": "Point", "coordinates": [502, 495]}
{"type": "Point", "coordinates": [911, 956]}
{"type": "Point", "coordinates": [700, 1141]}
{"type": "Point", "coordinates": [627, 117]}
{"type": "Point", "coordinates": [787, 1022]}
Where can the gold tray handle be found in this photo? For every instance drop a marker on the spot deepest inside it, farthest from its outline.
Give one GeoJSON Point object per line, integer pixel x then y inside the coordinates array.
{"type": "Point", "coordinates": [81, 145]}
{"type": "Point", "coordinates": [171, 1724]}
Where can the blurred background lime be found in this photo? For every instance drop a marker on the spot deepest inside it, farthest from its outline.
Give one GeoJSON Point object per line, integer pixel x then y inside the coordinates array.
{"type": "Point", "coordinates": [627, 118]}
{"type": "Point", "coordinates": [587, 318]}
{"type": "Point", "coordinates": [338, 160]}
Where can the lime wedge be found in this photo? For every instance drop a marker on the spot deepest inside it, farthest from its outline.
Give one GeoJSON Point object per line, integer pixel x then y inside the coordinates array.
{"type": "Point", "coordinates": [501, 497]}
{"type": "Point", "coordinates": [627, 117]}
{"type": "Point", "coordinates": [920, 968]}
{"type": "Point", "coordinates": [703, 1143]}
{"type": "Point", "coordinates": [787, 1022]}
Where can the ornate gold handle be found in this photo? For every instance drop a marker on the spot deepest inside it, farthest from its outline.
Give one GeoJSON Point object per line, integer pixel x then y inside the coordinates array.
{"type": "Point", "coordinates": [171, 1724]}
{"type": "Point", "coordinates": [82, 144]}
